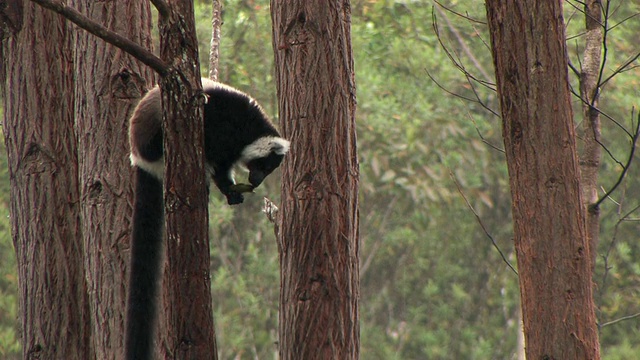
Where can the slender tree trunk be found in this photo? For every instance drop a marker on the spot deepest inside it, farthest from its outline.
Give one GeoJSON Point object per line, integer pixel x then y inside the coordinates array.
{"type": "Point", "coordinates": [41, 147]}
{"type": "Point", "coordinates": [318, 236]}
{"type": "Point", "coordinates": [520, 345]}
{"type": "Point", "coordinates": [109, 84]}
{"type": "Point", "coordinates": [188, 314]}
{"type": "Point", "coordinates": [528, 44]}
{"type": "Point", "coordinates": [214, 50]}
{"type": "Point", "coordinates": [589, 92]}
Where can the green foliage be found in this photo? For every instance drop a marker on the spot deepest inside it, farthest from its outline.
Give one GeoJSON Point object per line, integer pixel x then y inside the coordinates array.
{"type": "Point", "coordinates": [432, 284]}
{"type": "Point", "coordinates": [244, 277]}
{"type": "Point", "coordinates": [9, 339]}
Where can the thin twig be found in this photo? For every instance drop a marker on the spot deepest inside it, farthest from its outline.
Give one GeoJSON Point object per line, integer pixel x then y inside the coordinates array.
{"type": "Point", "coordinates": [479, 220]}
{"type": "Point", "coordinates": [605, 48]}
{"type": "Point", "coordinates": [607, 116]}
{"type": "Point", "coordinates": [625, 168]}
{"type": "Point", "coordinates": [484, 140]}
{"type": "Point", "coordinates": [574, 69]}
{"type": "Point", "coordinates": [477, 95]}
{"type": "Point", "coordinates": [621, 68]}
{"type": "Point", "coordinates": [612, 322]}
{"type": "Point", "coordinates": [447, 90]}
{"type": "Point", "coordinates": [455, 60]}
{"type": "Point", "coordinates": [623, 21]}
{"type": "Point", "coordinates": [467, 17]}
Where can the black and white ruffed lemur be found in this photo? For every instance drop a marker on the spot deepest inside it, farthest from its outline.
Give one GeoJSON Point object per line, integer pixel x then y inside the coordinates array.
{"type": "Point", "coordinates": [237, 132]}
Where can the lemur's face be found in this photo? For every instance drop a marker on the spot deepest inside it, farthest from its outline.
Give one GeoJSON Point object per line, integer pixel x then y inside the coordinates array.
{"type": "Point", "coordinates": [260, 168]}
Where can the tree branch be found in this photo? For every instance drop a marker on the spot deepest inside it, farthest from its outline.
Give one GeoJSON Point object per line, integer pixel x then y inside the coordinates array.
{"type": "Point", "coordinates": [107, 35]}
{"type": "Point", "coordinates": [625, 167]}
{"type": "Point", "coordinates": [461, 42]}
{"type": "Point", "coordinates": [629, 317]}
{"type": "Point", "coordinates": [486, 232]}
{"type": "Point", "coordinates": [162, 7]}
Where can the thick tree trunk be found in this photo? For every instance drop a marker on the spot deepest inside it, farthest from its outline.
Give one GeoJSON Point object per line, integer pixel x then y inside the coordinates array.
{"type": "Point", "coordinates": [188, 313]}
{"type": "Point", "coordinates": [109, 84]}
{"type": "Point", "coordinates": [41, 147]}
{"type": "Point", "coordinates": [528, 43]}
{"type": "Point", "coordinates": [318, 237]}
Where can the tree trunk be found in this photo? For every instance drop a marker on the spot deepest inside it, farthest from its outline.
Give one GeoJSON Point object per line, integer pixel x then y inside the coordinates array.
{"type": "Point", "coordinates": [214, 49]}
{"type": "Point", "coordinates": [41, 147]}
{"type": "Point", "coordinates": [528, 44]}
{"type": "Point", "coordinates": [187, 289]}
{"type": "Point", "coordinates": [318, 241]}
{"type": "Point", "coordinates": [589, 92]}
{"type": "Point", "coordinates": [109, 85]}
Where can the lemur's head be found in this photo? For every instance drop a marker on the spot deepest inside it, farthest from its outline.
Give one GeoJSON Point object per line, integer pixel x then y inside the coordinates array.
{"type": "Point", "coordinates": [263, 156]}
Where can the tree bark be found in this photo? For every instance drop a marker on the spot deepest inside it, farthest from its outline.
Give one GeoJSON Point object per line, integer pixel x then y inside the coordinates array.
{"type": "Point", "coordinates": [109, 84]}
{"type": "Point", "coordinates": [530, 58]}
{"type": "Point", "coordinates": [188, 314]}
{"type": "Point", "coordinates": [589, 92]}
{"type": "Point", "coordinates": [318, 238]}
{"type": "Point", "coordinates": [214, 50]}
{"type": "Point", "coordinates": [41, 147]}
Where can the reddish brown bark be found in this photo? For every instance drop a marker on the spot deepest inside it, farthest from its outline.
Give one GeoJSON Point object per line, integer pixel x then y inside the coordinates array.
{"type": "Point", "coordinates": [41, 147]}
{"type": "Point", "coordinates": [528, 44]}
{"type": "Point", "coordinates": [318, 235]}
{"type": "Point", "coordinates": [109, 84]}
{"type": "Point", "coordinates": [188, 315]}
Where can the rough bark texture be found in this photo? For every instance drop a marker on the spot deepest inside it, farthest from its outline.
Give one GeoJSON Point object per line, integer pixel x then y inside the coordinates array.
{"type": "Point", "coordinates": [188, 313]}
{"type": "Point", "coordinates": [318, 235]}
{"type": "Point", "coordinates": [591, 151]}
{"type": "Point", "coordinates": [214, 50]}
{"type": "Point", "coordinates": [109, 84]}
{"type": "Point", "coordinates": [528, 44]}
{"type": "Point", "coordinates": [41, 146]}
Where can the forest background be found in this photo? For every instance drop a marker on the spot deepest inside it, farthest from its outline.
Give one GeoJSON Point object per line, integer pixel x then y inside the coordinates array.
{"type": "Point", "coordinates": [433, 284]}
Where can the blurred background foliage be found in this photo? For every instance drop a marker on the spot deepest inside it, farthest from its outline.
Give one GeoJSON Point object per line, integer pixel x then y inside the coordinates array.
{"type": "Point", "coordinates": [433, 286]}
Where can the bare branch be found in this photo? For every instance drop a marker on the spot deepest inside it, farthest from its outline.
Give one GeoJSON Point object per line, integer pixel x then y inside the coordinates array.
{"type": "Point", "coordinates": [477, 95]}
{"type": "Point", "coordinates": [614, 238]}
{"type": "Point", "coordinates": [625, 167]}
{"type": "Point", "coordinates": [477, 100]}
{"type": "Point", "coordinates": [619, 320]}
{"type": "Point", "coordinates": [576, 7]}
{"type": "Point", "coordinates": [447, 90]}
{"type": "Point", "coordinates": [571, 16]}
{"type": "Point", "coordinates": [107, 35]}
{"type": "Point", "coordinates": [627, 65]}
{"type": "Point", "coordinates": [162, 7]}
{"type": "Point", "coordinates": [575, 70]}
{"type": "Point", "coordinates": [624, 21]}
{"type": "Point", "coordinates": [621, 68]}
{"type": "Point", "coordinates": [484, 140]}
{"type": "Point", "coordinates": [605, 48]}
{"type": "Point", "coordinates": [461, 42]}
{"type": "Point", "coordinates": [607, 116]}
{"type": "Point", "coordinates": [467, 17]}
{"type": "Point", "coordinates": [486, 232]}
{"type": "Point", "coordinates": [457, 62]}
{"type": "Point", "coordinates": [380, 229]}
{"type": "Point", "coordinates": [479, 36]}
